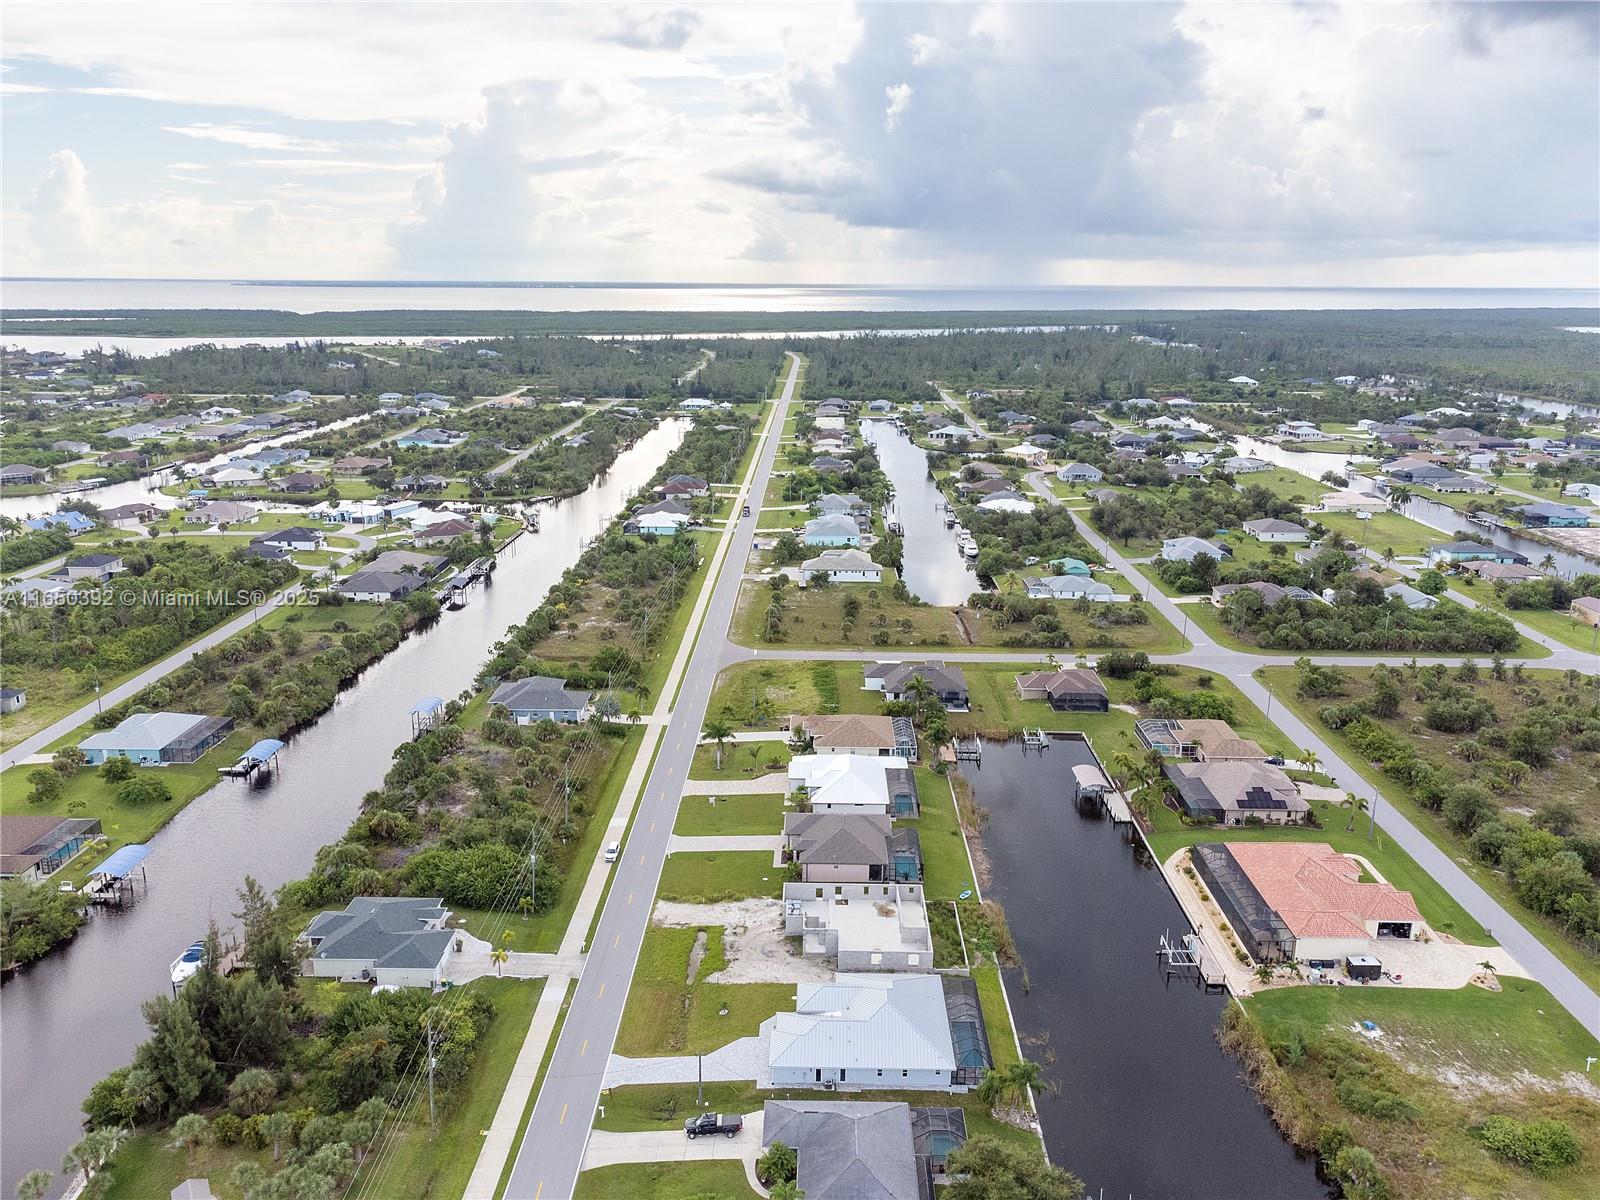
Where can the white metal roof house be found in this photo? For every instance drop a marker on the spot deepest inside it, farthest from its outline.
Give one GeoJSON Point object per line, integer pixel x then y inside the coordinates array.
{"type": "Point", "coordinates": [1270, 529]}
{"type": "Point", "coordinates": [866, 1031]}
{"type": "Point", "coordinates": [1187, 549]}
{"type": "Point", "coordinates": [855, 783]}
{"type": "Point", "coordinates": [396, 940]}
{"type": "Point", "coordinates": [1080, 473]}
{"type": "Point", "coordinates": [862, 926]}
{"type": "Point", "coordinates": [1070, 587]}
{"type": "Point", "coordinates": [542, 698]}
{"type": "Point", "coordinates": [843, 566]}
{"type": "Point", "coordinates": [159, 737]}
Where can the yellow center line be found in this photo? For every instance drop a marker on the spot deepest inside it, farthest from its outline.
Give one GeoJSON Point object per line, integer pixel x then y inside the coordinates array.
{"type": "Point", "coordinates": [630, 897]}
{"type": "Point", "coordinates": [602, 991]}
{"type": "Point", "coordinates": [653, 824]}
{"type": "Point", "coordinates": [563, 1119]}
{"type": "Point", "coordinates": [584, 1049]}
{"type": "Point", "coordinates": [539, 1191]}
{"type": "Point", "coordinates": [616, 941]}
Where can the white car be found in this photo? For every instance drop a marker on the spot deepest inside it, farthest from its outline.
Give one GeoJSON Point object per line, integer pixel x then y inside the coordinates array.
{"type": "Point", "coordinates": [613, 851]}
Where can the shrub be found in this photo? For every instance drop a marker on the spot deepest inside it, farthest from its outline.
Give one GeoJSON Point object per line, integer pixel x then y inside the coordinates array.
{"type": "Point", "coordinates": [1540, 1146]}
{"type": "Point", "coordinates": [143, 789]}
{"type": "Point", "coordinates": [116, 770]}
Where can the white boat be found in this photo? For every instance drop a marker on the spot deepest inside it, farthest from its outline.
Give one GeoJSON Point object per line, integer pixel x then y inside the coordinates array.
{"type": "Point", "coordinates": [187, 964]}
{"type": "Point", "coordinates": [969, 547]}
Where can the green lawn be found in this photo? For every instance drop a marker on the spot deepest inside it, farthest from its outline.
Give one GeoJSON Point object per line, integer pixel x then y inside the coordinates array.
{"type": "Point", "coordinates": [761, 694]}
{"type": "Point", "coordinates": [666, 1014]}
{"type": "Point", "coordinates": [722, 1179]}
{"type": "Point", "coordinates": [1385, 531]}
{"type": "Point", "coordinates": [725, 875]}
{"type": "Point", "coordinates": [1282, 682]}
{"type": "Point", "coordinates": [1519, 1029]}
{"type": "Point", "coordinates": [709, 816]}
{"type": "Point", "coordinates": [946, 871]}
{"type": "Point", "coordinates": [1558, 625]}
{"type": "Point", "coordinates": [996, 1015]}
{"type": "Point", "coordinates": [740, 760]}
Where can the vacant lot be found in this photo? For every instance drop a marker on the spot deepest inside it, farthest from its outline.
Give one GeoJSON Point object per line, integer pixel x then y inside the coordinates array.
{"type": "Point", "coordinates": [708, 816]}
{"type": "Point", "coordinates": [727, 875]}
{"type": "Point", "coordinates": [760, 695]}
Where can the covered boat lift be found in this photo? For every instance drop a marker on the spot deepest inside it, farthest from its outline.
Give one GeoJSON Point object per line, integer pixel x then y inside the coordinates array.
{"type": "Point", "coordinates": [426, 714]}
{"type": "Point", "coordinates": [263, 756]}
{"type": "Point", "coordinates": [112, 881]}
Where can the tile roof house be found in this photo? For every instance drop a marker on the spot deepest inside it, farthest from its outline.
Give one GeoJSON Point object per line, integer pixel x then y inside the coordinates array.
{"type": "Point", "coordinates": [1202, 739]}
{"type": "Point", "coordinates": [873, 736]}
{"type": "Point", "coordinates": [395, 940]}
{"type": "Point", "coordinates": [444, 531]}
{"type": "Point", "coordinates": [1304, 900]}
{"type": "Point", "coordinates": [894, 680]}
{"type": "Point", "coordinates": [866, 1031]}
{"type": "Point", "coordinates": [1071, 689]}
{"type": "Point", "coordinates": [542, 698]}
{"type": "Point", "coordinates": [861, 926]}
{"type": "Point", "coordinates": [852, 848]}
{"type": "Point", "coordinates": [1231, 793]}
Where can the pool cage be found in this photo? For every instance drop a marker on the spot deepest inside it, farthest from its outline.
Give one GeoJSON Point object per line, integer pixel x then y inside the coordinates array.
{"type": "Point", "coordinates": [967, 1033]}
{"type": "Point", "coordinates": [1257, 923]}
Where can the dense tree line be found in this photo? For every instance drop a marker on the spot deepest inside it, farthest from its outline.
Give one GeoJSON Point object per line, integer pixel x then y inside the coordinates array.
{"type": "Point", "coordinates": [1367, 628]}
{"type": "Point", "coordinates": [33, 919]}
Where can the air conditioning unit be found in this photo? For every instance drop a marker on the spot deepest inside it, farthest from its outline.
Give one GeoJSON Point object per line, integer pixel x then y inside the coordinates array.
{"type": "Point", "coordinates": [830, 1085]}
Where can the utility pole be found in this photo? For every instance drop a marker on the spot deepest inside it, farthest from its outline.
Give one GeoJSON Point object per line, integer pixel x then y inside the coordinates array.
{"type": "Point", "coordinates": [700, 1080]}
{"type": "Point", "coordinates": [430, 1070]}
{"type": "Point", "coordinates": [533, 875]}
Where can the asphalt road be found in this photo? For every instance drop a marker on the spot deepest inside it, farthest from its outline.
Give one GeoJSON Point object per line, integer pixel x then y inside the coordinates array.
{"type": "Point", "coordinates": [551, 1153]}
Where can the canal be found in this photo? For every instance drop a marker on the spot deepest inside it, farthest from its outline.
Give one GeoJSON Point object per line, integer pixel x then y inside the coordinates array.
{"type": "Point", "coordinates": [1147, 1104]}
{"type": "Point", "coordinates": [1423, 511]}
{"type": "Point", "coordinates": [933, 567]}
{"type": "Point", "coordinates": [73, 1017]}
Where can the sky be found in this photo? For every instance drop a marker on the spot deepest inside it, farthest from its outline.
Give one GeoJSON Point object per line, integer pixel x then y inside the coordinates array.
{"type": "Point", "coordinates": [1360, 144]}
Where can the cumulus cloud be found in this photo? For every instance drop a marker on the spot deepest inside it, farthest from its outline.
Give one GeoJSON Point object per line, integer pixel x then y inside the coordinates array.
{"type": "Point", "coordinates": [899, 97]}
{"type": "Point", "coordinates": [63, 216]}
{"type": "Point", "coordinates": [655, 30]}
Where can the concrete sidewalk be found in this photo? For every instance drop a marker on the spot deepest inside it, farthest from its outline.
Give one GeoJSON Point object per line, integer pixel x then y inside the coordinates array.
{"type": "Point", "coordinates": [714, 843]}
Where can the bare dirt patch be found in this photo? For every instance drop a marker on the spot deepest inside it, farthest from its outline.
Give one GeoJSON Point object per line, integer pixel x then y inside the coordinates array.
{"type": "Point", "coordinates": [752, 939]}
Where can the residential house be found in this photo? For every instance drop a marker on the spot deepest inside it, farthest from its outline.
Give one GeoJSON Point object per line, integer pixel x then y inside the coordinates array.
{"type": "Point", "coordinates": [297, 539]}
{"type": "Point", "coordinates": [359, 464]}
{"type": "Point", "coordinates": [1245, 465]}
{"type": "Point", "coordinates": [1271, 529]}
{"type": "Point", "coordinates": [1187, 549]}
{"type": "Point", "coordinates": [1499, 572]}
{"type": "Point", "coordinates": [1271, 594]}
{"type": "Point", "coordinates": [1410, 596]}
{"type": "Point", "coordinates": [843, 566]}
{"type": "Point", "coordinates": [851, 848]}
{"type": "Point", "coordinates": [1459, 552]}
{"type": "Point", "coordinates": [379, 587]}
{"type": "Point", "coordinates": [71, 446]}
{"type": "Point", "coordinates": [1086, 426]}
{"type": "Point", "coordinates": [443, 532]}
{"type": "Point", "coordinates": [156, 737]}
{"type": "Point", "coordinates": [234, 473]}
{"type": "Point", "coordinates": [68, 519]}
{"type": "Point", "coordinates": [872, 736]}
{"type": "Point", "coordinates": [299, 482]}
{"type": "Point", "coordinates": [684, 485]}
{"type": "Point", "coordinates": [422, 565]}
{"type": "Point", "coordinates": [855, 783]}
{"type": "Point", "coordinates": [895, 681]}
{"type": "Point", "coordinates": [986, 487]}
{"type": "Point", "coordinates": [836, 503]}
{"type": "Point", "coordinates": [1070, 689]}
{"type": "Point", "coordinates": [21, 473]}
{"type": "Point", "coordinates": [1303, 901]}
{"type": "Point", "coordinates": [826, 464]}
{"type": "Point", "coordinates": [543, 698]}
{"type": "Point", "coordinates": [1547, 515]}
{"type": "Point", "coordinates": [1234, 793]}
{"type": "Point", "coordinates": [1005, 501]}
{"type": "Point", "coordinates": [34, 847]}
{"type": "Point", "coordinates": [98, 567]}
{"type": "Point", "coordinates": [1080, 473]}
{"type": "Point", "coordinates": [431, 438]}
{"type": "Point", "coordinates": [951, 433]}
{"type": "Point", "coordinates": [864, 1031]}
{"type": "Point", "coordinates": [1070, 587]}
{"type": "Point", "coordinates": [860, 926]}
{"type": "Point", "coordinates": [220, 512]}
{"type": "Point", "coordinates": [127, 516]}
{"type": "Point", "coordinates": [1200, 739]}
{"type": "Point", "coordinates": [1462, 483]}
{"type": "Point", "coordinates": [833, 530]}
{"type": "Point", "coordinates": [855, 1149]}
{"type": "Point", "coordinates": [1584, 491]}
{"type": "Point", "coordinates": [1244, 381]}
{"type": "Point", "coordinates": [395, 941]}
{"type": "Point", "coordinates": [1034, 456]}
{"type": "Point", "coordinates": [13, 700]}
{"type": "Point", "coordinates": [296, 396]}
{"type": "Point", "coordinates": [1586, 610]}
{"type": "Point", "coordinates": [1070, 566]}
{"type": "Point", "coordinates": [421, 483]}
{"type": "Point", "coordinates": [1418, 471]}
{"type": "Point", "coordinates": [1133, 441]}
{"type": "Point", "coordinates": [1300, 431]}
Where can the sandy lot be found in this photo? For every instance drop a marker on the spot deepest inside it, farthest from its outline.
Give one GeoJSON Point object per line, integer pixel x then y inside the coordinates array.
{"type": "Point", "coordinates": [752, 937]}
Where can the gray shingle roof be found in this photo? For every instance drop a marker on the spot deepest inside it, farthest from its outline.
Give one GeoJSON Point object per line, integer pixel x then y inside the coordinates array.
{"type": "Point", "coordinates": [847, 1149]}
{"type": "Point", "coordinates": [539, 693]}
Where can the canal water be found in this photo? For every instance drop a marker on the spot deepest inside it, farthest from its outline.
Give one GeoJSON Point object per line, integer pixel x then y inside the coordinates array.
{"type": "Point", "coordinates": [933, 568]}
{"type": "Point", "coordinates": [1313, 464]}
{"type": "Point", "coordinates": [73, 1017]}
{"type": "Point", "coordinates": [146, 490]}
{"type": "Point", "coordinates": [1148, 1105]}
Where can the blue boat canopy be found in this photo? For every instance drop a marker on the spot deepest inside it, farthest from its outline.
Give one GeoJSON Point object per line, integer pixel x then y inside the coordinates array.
{"type": "Point", "coordinates": [427, 704]}
{"type": "Point", "coordinates": [122, 862]}
{"type": "Point", "coordinates": [263, 750]}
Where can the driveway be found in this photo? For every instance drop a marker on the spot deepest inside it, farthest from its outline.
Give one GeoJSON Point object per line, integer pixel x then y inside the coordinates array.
{"type": "Point", "coordinates": [472, 961]}
{"type": "Point", "coordinates": [761, 785]}
{"type": "Point", "coordinates": [742, 1058]}
{"type": "Point", "coordinates": [714, 843]}
{"type": "Point", "coordinates": [607, 1148]}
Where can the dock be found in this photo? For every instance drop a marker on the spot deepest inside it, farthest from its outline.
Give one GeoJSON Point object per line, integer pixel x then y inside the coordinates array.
{"type": "Point", "coordinates": [1035, 739]}
{"type": "Point", "coordinates": [426, 714]}
{"type": "Point", "coordinates": [969, 751]}
{"type": "Point", "coordinates": [262, 757]}
{"type": "Point", "coordinates": [112, 882]}
{"type": "Point", "coordinates": [1188, 958]}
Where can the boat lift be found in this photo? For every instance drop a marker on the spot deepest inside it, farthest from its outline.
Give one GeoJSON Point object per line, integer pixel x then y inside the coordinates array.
{"type": "Point", "coordinates": [1187, 958]}
{"type": "Point", "coordinates": [111, 883]}
{"type": "Point", "coordinates": [426, 714]}
{"type": "Point", "coordinates": [262, 757]}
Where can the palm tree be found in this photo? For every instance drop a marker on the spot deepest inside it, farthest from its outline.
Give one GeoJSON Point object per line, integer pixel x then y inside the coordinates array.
{"type": "Point", "coordinates": [34, 1184]}
{"type": "Point", "coordinates": [1398, 495]}
{"type": "Point", "coordinates": [1123, 767]}
{"type": "Point", "coordinates": [1311, 759]}
{"type": "Point", "coordinates": [719, 732]}
{"type": "Point", "coordinates": [248, 1177]}
{"type": "Point", "coordinates": [92, 1151]}
{"type": "Point", "coordinates": [1021, 1077]}
{"type": "Point", "coordinates": [921, 692]}
{"type": "Point", "coordinates": [498, 956]}
{"type": "Point", "coordinates": [1357, 807]}
{"type": "Point", "coordinates": [1547, 564]}
{"type": "Point", "coordinates": [787, 1190]}
{"type": "Point", "coordinates": [277, 1126]}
